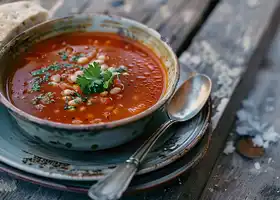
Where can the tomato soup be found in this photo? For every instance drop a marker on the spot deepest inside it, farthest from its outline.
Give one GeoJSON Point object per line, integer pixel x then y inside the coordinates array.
{"type": "Point", "coordinates": [87, 78]}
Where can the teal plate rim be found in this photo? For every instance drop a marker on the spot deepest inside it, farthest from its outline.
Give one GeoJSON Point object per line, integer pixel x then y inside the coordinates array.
{"type": "Point", "coordinates": [141, 183]}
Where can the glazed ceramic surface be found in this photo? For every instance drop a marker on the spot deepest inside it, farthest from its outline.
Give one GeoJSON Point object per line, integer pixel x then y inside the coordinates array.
{"type": "Point", "coordinates": [87, 137]}
{"type": "Point", "coordinates": [142, 182]}
{"type": "Point", "coordinates": [21, 152]}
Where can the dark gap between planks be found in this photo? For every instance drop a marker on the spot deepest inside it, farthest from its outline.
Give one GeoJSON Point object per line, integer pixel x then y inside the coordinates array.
{"type": "Point", "coordinates": [188, 40]}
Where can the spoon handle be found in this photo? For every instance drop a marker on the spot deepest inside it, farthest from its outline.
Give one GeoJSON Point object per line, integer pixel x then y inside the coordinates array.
{"type": "Point", "coordinates": [114, 185]}
{"type": "Point", "coordinates": [141, 152]}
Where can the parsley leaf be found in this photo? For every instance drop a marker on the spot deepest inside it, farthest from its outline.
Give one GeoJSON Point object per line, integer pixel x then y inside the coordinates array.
{"type": "Point", "coordinates": [94, 80]}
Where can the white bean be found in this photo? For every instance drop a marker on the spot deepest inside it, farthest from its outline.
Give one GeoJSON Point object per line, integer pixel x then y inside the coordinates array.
{"type": "Point", "coordinates": [74, 102]}
{"type": "Point", "coordinates": [99, 61]}
{"type": "Point", "coordinates": [104, 67]}
{"type": "Point", "coordinates": [67, 92]}
{"type": "Point", "coordinates": [82, 60]}
{"type": "Point", "coordinates": [104, 94]}
{"type": "Point", "coordinates": [101, 57]}
{"type": "Point", "coordinates": [79, 73]}
{"type": "Point", "coordinates": [115, 90]}
{"type": "Point", "coordinates": [53, 83]}
{"type": "Point", "coordinates": [55, 78]}
{"type": "Point", "coordinates": [72, 78]}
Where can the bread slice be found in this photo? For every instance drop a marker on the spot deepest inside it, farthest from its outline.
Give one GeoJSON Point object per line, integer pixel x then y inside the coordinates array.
{"type": "Point", "coordinates": [17, 17]}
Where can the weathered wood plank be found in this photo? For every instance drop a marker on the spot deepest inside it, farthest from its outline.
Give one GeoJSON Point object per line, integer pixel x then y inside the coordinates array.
{"type": "Point", "coordinates": [69, 7]}
{"type": "Point", "coordinates": [237, 177]}
{"type": "Point", "coordinates": [187, 18]}
{"type": "Point", "coordinates": [228, 48]}
{"type": "Point", "coordinates": [164, 13]}
{"type": "Point", "coordinates": [223, 56]}
{"type": "Point", "coordinates": [138, 10]}
{"type": "Point", "coordinates": [97, 6]}
{"type": "Point", "coordinates": [175, 19]}
{"type": "Point", "coordinates": [45, 4]}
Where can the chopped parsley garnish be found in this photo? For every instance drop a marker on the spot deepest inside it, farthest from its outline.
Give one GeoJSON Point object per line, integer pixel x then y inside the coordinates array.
{"type": "Point", "coordinates": [54, 67]}
{"type": "Point", "coordinates": [46, 77]}
{"type": "Point", "coordinates": [84, 99]}
{"type": "Point", "coordinates": [67, 107]}
{"type": "Point", "coordinates": [76, 57]}
{"type": "Point", "coordinates": [80, 67]}
{"type": "Point", "coordinates": [42, 71]}
{"type": "Point", "coordinates": [63, 55]}
{"type": "Point", "coordinates": [46, 98]}
{"type": "Point", "coordinates": [95, 80]}
{"type": "Point", "coordinates": [67, 65]}
{"type": "Point", "coordinates": [36, 85]}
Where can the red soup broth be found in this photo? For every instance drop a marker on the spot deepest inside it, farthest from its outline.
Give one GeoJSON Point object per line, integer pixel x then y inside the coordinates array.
{"type": "Point", "coordinates": [45, 82]}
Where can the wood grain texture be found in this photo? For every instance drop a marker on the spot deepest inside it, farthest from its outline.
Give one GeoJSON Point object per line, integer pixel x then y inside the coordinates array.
{"type": "Point", "coordinates": [174, 19]}
{"type": "Point", "coordinates": [70, 7]}
{"type": "Point", "coordinates": [45, 4]}
{"type": "Point", "coordinates": [237, 178]}
{"type": "Point", "coordinates": [228, 48]}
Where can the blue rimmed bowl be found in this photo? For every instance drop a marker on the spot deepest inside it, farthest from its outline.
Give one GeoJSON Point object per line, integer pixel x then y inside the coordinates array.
{"type": "Point", "coordinates": [97, 136]}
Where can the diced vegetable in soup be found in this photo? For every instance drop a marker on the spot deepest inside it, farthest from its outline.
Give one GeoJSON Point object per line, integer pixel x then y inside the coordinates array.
{"type": "Point", "coordinates": [87, 78]}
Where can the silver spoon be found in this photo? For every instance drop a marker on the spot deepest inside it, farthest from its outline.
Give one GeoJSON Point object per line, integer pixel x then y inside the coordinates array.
{"type": "Point", "coordinates": [184, 105]}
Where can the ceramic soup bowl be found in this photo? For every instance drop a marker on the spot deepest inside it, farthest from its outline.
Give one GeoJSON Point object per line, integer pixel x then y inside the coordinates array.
{"type": "Point", "coordinates": [96, 136]}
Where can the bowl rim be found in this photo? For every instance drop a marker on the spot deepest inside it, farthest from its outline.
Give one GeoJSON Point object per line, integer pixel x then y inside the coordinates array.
{"type": "Point", "coordinates": [112, 124]}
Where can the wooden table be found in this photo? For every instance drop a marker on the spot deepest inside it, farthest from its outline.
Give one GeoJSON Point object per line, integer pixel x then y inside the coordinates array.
{"type": "Point", "coordinates": [224, 39]}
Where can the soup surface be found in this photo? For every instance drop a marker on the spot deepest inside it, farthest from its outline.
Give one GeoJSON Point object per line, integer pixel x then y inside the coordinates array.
{"type": "Point", "coordinates": [87, 78]}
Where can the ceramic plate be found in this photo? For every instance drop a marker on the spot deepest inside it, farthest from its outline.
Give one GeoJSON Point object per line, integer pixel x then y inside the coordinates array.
{"type": "Point", "coordinates": [23, 153]}
{"type": "Point", "coordinates": [142, 182]}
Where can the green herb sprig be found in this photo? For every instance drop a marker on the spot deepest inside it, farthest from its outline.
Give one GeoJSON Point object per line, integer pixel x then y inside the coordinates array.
{"type": "Point", "coordinates": [95, 80]}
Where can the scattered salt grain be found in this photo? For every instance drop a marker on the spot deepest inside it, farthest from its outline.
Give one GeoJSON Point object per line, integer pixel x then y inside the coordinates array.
{"type": "Point", "coordinates": [270, 99]}
{"type": "Point", "coordinates": [229, 148]}
{"type": "Point", "coordinates": [258, 141]}
{"type": "Point", "coordinates": [222, 105]}
{"type": "Point", "coordinates": [248, 103]}
{"type": "Point", "coordinates": [253, 3]}
{"type": "Point", "coordinates": [257, 165]}
{"type": "Point", "coordinates": [255, 124]}
{"type": "Point", "coordinates": [243, 130]}
{"type": "Point", "coordinates": [266, 144]}
{"type": "Point", "coordinates": [242, 115]}
{"type": "Point", "coordinates": [271, 135]}
{"type": "Point", "coordinates": [269, 108]}
{"type": "Point", "coordinates": [195, 60]}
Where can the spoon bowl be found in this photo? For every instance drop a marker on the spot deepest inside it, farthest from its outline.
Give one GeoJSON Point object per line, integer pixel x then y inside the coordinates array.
{"type": "Point", "coordinates": [189, 98]}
